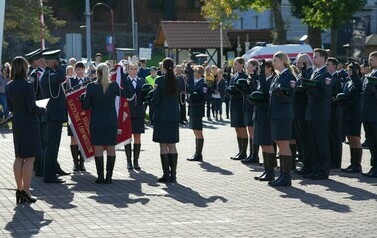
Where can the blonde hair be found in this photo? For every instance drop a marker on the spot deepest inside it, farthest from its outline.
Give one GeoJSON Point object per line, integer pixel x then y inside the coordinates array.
{"type": "Point", "coordinates": [103, 76]}
{"type": "Point", "coordinates": [284, 57]}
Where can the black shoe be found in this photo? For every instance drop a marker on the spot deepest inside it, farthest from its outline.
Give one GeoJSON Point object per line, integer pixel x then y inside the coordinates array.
{"type": "Point", "coordinates": [372, 173]}
{"type": "Point", "coordinates": [197, 157]}
{"type": "Point", "coordinates": [355, 168]}
{"type": "Point", "coordinates": [365, 144]}
{"type": "Point", "coordinates": [283, 181]}
{"type": "Point", "coordinates": [129, 164]}
{"type": "Point", "coordinates": [82, 165]}
{"type": "Point", "coordinates": [164, 179]}
{"type": "Point", "coordinates": [19, 197]}
{"type": "Point", "coordinates": [56, 180]}
{"type": "Point", "coordinates": [136, 165]}
{"type": "Point", "coordinates": [27, 198]}
{"type": "Point", "coordinates": [266, 176]}
{"type": "Point", "coordinates": [251, 160]}
{"type": "Point", "coordinates": [61, 172]}
{"type": "Point", "coordinates": [317, 176]}
{"type": "Point", "coordinates": [100, 180]}
{"type": "Point", "coordinates": [303, 171]}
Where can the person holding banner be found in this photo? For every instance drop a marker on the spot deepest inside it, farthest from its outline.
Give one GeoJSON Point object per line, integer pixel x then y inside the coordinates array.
{"type": "Point", "coordinates": [166, 118]}
{"type": "Point", "coordinates": [137, 111]}
{"type": "Point", "coordinates": [99, 98]}
{"type": "Point", "coordinates": [26, 134]}
{"type": "Point", "coordinates": [71, 84]}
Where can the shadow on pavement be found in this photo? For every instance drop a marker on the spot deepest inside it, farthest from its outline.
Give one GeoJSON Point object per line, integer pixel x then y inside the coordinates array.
{"type": "Point", "coordinates": [5, 129]}
{"type": "Point", "coordinates": [214, 169]}
{"type": "Point", "coordinates": [26, 222]}
{"type": "Point", "coordinates": [186, 195]}
{"type": "Point", "coordinates": [313, 200]}
{"type": "Point", "coordinates": [144, 177]}
{"type": "Point", "coordinates": [361, 178]}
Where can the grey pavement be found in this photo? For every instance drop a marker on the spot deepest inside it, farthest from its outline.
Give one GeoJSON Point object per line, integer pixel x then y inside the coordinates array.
{"type": "Point", "coordinates": [215, 198]}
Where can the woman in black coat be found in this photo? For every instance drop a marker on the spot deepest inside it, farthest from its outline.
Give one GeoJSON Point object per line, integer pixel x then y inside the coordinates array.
{"type": "Point", "coordinates": [281, 115]}
{"type": "Point", "coordinates": [100, 99]}
{"type": "Point", "coordinates": [166, 120]}
{"type": "Point", "coordinates": [26, 134]}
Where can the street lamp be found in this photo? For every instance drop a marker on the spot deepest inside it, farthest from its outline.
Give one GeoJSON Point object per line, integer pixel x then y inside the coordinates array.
{"type": "Point", "coordinates": [88, 28]}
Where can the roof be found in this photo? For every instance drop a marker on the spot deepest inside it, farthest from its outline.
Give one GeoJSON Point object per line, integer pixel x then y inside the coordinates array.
{"type": "Point", "coordinates": [189, 35]}
{"type": "Point", "coordinates": [371, 40]}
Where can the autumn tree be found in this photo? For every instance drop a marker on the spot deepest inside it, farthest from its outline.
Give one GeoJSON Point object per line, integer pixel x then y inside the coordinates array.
{"type": "Point", "coordinates": [223, 11]}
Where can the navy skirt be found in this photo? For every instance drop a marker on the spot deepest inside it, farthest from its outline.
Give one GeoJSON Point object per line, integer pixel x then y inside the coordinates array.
{"type": "Point", "coordinates": [281, 130]}
{"type": "Point", "coordinates": [27, 140]}
{"type": "Point", "coordinates": [352, 128]}
{"type": "Point", "coordinates": [166, 132]}
{"type": "Point", "coordinates": [262, 133]}
{"type": "Point", "coordinates": [104, 136]}
{"type": "Point", "coordinates": [196, 123]}
{"type": "Point", "coordinates": [138, 126]}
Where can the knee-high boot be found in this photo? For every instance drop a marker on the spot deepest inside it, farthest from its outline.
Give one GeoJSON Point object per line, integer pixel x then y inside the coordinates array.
{"type": "Point", "coordinates": [173, 160]}
{"type": "Point", "coordinates": [99, 167]}
{"type": "Point", "coordinates": [243, 146]}
{"type": "Point", "coordinates": [293, 148]}
{"type": "Point", "coordinates": [165, 168]}
{"type": "Point", "coordinates": [109, 168]}
{"type": "Point", "coordinates": [285, 172]}
{"type": "Point", "coordinates": [355, 167]}
{"type": "Point", "coordinates": [196, 150]}
{"type": "Point", "coordinates": [269, 174]}
{"type": "Point", "coordinates": [239, 141]}
{"type": "Point", "coordinates": [198, 153]}
{"type": "Point", "coordinates": [137, 148]}
{"type": "Point", "coordinates": [127, 150]}
{"type": "Point", "coordinates": [75, 156]}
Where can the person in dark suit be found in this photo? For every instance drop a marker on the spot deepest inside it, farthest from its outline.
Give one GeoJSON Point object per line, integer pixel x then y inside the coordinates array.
{"type": "Point", "coordinates": [167, 116]}
{"type": "Point", "coordinates": [300, 102]}
{"type": "Point", "coordinates": [352, 117]}
{"type": "Point", "coordinates": [218, 94]}
{"type": "Point", "coordinates": [369, 115]}
{"type": "Point", "coordinates": [74, 83]}
{"type": "Point", "coordinates": [26, 134]}
{"type": "Point", "coordinates": [262, 124]}
{"type": "Point", "coordinates": [236, 110]}
{"type": "Point", "coordinates": [137, 114]}
{"type": "Point", "coordinates": [197, 89]}
{"type": "Point", "coordinates": [336, 117]}
{"type": "Point", "coordinates": [182, 85]}
{"type": "Point", "coordinates": [227, 75]}
{"type": "Point", "coordinates": [252, 67]}
{"type": "Point", "coordinates": [281, 115]}
{"type": "Point", "coordinates": [318, 113]}
{"type": "Point", "coordinates": [100, 100]}
{"type": "Point", "coordinates": [51, 80]}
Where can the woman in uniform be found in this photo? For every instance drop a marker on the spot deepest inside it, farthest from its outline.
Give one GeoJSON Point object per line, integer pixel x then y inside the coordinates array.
{"type": "Point", "coordinates": [236, 109]}
{"type": "Point", "coordinates": [352, 117]}
{"type": "Point", "coordinates": [100, 99]}
{"type": "Point", "coordinates": [281, 115]}
{"type": "Point", "coordinates": [26, 134]}
{"type": "Point", "coordinates": [166, 120]}
{"type": "Point", "coordinates": [262, 124]}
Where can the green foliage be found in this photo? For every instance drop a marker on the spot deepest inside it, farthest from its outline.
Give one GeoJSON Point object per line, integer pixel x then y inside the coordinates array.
{"type": "Point", "coordinates": [22, 21]}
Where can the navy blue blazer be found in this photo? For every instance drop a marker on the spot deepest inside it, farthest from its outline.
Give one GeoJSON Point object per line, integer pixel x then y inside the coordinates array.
{"type": "Point", "coordinates": [260, 113]}
{"type": "Point", "coordinates": [102, 105]}
{"type": "Point", "coordinates": [281, 106]}
{"type": "Point", "coordinates": [196, 109]}
{"type": "Point", "coordinates": [236, 100]}
{"type": "Point", "coordinates": [252, 86]}
{"type": "Point", "coordinates": [369, 105]}
{"type": "Point", "coordinates": [319, 97]}
{"type": "Point", "coordinates": [353, 89]}
{"type": "Point", "coordinates": [51, 86]}
{"type": "Point", "coordinates": [34, 78]}
{"type": "Point", "coordinates": [136, 104]}
{"type": "Point", "coordinates": [166, 106]}
{"type": "Point", "coordinates": [300, 100]}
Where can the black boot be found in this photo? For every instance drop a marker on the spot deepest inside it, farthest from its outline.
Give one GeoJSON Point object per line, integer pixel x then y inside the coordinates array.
{"type": "Point", "coordinates": [269, 174]}
{"type": "Point", "coordinates": [75, 156]}
{"type": "Point", "coordinates": [293, 148]}
{"type": "Point", "coordinates": [82, 161]}
{"type": "Point", "coordinates": [196, 150]}
{"type": "Point", "coordinates": [136, 156]}
{"type": "Point", "coordinates": [253, 157]}
{"type": "Point", "coordinates": [173, 160]}
{"type": "Point", "coordinates": [109, 168]}
{"type": "Point", "coordinates": [243, 154]}
{"type": "Point", "coordinates": [127, 150]}
{"type": "Point", "coordinates": [239, 141]}
{"type": "Point", "coordinates": [352, 160]}
{"type": "Point", "coordinates": [355, 166]}
{"type": "Point", "coordinates": [99, 167]}
{"type": "Point", "coordinates": [165, 168]}
{"type": "Point", "coordinates": [59, 170]}
{"type": "Point", "coordinates": [285, 177]}
{"type": "Point", "coordinates": [199, 148]}
{"type": "Point", "coordinates": [265, 165]}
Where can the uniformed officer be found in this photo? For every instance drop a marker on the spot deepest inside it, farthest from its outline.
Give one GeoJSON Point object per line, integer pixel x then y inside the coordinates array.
{"type": "Point", "coordinates": [335, 119]}
{"type": "Point", "coordinates": [318, 114]}
{"type": "Point", "coordinates": [70, 84]}
{"type": "Point", "coordinates": [137, 114]}
{"type": "Point", "coordinates": [51, 86]}
{"type": "Point", "coordinates": [182, 85]}
{"type": "Point", "coordinates": [369, 115]}
{"type": "Point", "coordinates": [197, 89]}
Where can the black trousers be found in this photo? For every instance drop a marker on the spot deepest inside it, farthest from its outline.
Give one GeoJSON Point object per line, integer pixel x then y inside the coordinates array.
{"type": "Point", "coordinates": [53, 136]}
{"type": "Point", "coordinates": [371, 136]}
{"type": "Point", "coordinates": [182, 107]}
{"type": "Point", "coordinates": [226, 101]}
{"type": "Point", "coordinates": [336, 137]}
{"type": "Point", "coordinates": [209, 106]}
{"type": "Point", "coordinates": [38, 162]}
{"type": "Point", "coordinates": [319, 148]}
{"type": "Point", "coordinates": [302, 138]}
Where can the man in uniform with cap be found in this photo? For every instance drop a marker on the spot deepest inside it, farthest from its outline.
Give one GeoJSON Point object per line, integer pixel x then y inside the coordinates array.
{"type": "Point", "coordinates": [51, 80]}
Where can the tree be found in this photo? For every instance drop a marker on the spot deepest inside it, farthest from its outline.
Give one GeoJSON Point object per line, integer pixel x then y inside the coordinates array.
{"type": "Point", "coordinates": [331, 15]}
{"type": "Point", "coordinates": [22, 23]}
{"type": "Point", "coordinates": [223, 11]}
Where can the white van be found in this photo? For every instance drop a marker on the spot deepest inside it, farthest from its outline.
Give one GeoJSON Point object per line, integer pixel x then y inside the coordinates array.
{"type": "Point", "coordinates": [268, 51]}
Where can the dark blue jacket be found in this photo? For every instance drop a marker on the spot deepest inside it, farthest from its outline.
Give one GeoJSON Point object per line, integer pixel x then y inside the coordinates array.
{"type": "Point", "coordinates": [369, 106]}
{"type": "Point", "coordinates": [236, 101]}
{"type": "Point", "coordinates": [196, 108]}
{"type": "Point", "coordinates": [51, 86]}
{"type": "Point", "coordinates": [166, 106]}
{"type": "Point", "coordinates": [319, 97]}
{"type": "Point", "coordinates": [281, 106]}
{"type": "Point", "coordinates": [136, 104]}
{"type": "Point", "coordinates": [252, 86]}
{"type": "Point", "coordinates": [300, 100]}
{"type": "Point", "coordinates": [261, 113]}
{"type": "Point", "coordinates": [353, 89]}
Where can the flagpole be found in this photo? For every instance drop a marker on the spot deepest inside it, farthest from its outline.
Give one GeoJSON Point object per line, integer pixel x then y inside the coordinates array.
{"type": "Point", "coordinates": [42, 27]}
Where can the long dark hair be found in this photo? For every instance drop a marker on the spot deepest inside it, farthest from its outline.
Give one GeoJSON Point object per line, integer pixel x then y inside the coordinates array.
{"type": "Point", "coordinates": [19, 68]}
{"type": "Point", "coordinates": [171, 80]}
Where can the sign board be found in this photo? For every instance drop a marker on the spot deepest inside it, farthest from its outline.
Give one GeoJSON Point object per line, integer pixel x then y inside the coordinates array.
{"type": "Point", "coordinates": [145, 53]}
